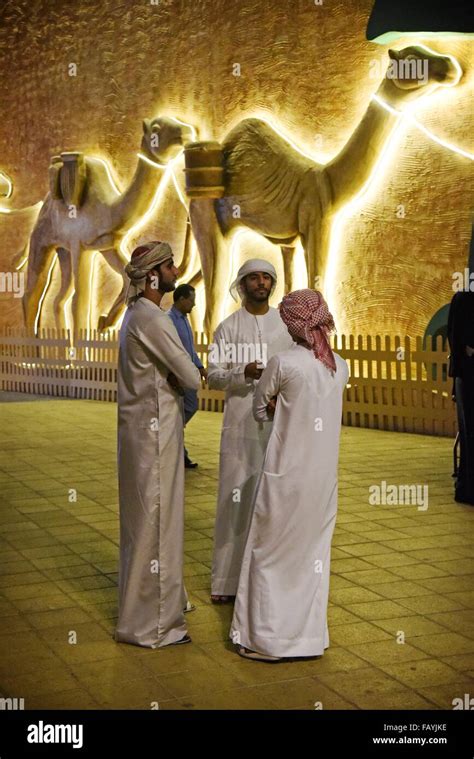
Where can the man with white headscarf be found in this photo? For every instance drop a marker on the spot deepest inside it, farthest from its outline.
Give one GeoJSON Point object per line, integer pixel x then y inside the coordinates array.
{"type": "Point", "coordinates": [281, 605]}
{"type": "Point", "coordinates": [153, 369]}
{"type": "Point", "coordinates": [242, 344]}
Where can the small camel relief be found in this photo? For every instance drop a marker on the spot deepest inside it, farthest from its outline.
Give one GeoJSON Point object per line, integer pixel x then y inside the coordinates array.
{"type": "Point", "coordinates": [84, 213]}
{"type": "Point", "coordinates": [286, 196]}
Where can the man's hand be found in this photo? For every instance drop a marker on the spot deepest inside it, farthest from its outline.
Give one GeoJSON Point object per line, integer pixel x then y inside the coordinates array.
{"type": "Point", "coordinates": [203, 372]}
{"type": "Point", "coordinates": [271, 405]}
{"type": "Point", "coordinates": [469, 351]}
{"type": "Point", "coordinates": [172, 380]}
{"type": "Point", "coordinates": [253, 371]}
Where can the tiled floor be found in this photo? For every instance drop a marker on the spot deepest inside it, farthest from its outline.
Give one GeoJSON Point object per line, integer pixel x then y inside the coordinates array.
{"type": "Point", "coordinates": [402, 591]}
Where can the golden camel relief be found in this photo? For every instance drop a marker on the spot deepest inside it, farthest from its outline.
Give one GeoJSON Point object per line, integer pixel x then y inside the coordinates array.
{"type": "Point", "coordinates": [268, 185]}
{"type": "Point", "coordinates": [84, 213]}
{"type": "Point", "coordinates": [279, 192]}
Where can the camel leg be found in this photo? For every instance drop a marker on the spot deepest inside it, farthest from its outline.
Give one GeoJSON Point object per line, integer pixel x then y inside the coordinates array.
{"type": "Point", "coordinates": [215, 259]}
{"type": "Point", "coordinates": [82, 260]}
{"type": "Point", "coordinates": [196, 279]}
{"type": "Point", "coordinates": [66, 289]}
{"type": "Point", "coordinates": [186, 258]}
{"type": "Point", "coordinates": [315, 242]}
{"type": "Point", "coordinates": [288, 255]}
{"type": "Point", "coordinates": [117, 261]}
{"type": "Point", "coordinates": [40, 261]}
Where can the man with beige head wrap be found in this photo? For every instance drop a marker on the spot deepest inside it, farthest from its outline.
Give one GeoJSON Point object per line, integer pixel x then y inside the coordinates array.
{"type": "Point", "coordinates": [152, 371]}
{"type": "Point", "coordinates": [242, 344]}
{"type": "Point", "coordinates": [281, 604]}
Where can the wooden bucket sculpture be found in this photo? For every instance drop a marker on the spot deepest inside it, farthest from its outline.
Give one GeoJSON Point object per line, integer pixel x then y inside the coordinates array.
{"type": "Point", "coordinates": [204, 170]}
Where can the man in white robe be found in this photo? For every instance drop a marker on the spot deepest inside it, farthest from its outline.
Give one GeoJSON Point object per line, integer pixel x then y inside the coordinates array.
{"type": "Point", "coordinates": [153, 369]}
{"type": "Point", "coordinates": [242, 344]}
{"type": "Point", "coordinates": [281, 604]}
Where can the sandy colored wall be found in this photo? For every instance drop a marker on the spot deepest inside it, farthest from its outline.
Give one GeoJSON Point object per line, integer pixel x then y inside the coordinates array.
{"type": "Point", "coordinates": [304, 66]}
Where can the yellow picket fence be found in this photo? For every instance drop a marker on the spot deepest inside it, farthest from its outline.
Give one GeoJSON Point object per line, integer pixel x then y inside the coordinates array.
{"type": "Point", "coordinates": [395, 383]}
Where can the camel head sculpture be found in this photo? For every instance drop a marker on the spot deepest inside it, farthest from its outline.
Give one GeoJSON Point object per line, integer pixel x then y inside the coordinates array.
{"type": "Point", "coordinates": [415, 72]}
{"type": "Point", "coordinates": [164, 138]}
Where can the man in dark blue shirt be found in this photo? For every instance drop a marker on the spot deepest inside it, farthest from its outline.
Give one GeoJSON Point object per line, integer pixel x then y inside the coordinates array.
{"type": "Point", "coordinates": [184, 302]}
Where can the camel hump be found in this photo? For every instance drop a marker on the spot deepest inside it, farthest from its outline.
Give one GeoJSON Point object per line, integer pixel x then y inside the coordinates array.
{"type": "Point", "coordinates": [67, 177]}
{"type": "Point", "coordinates": [254, 140]}
{"type": "Point", "coordinates": [250, 128]}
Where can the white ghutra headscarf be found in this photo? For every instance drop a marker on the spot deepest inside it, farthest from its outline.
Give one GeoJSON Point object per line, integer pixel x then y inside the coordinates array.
{"type": "Point", "coordinates": [249, 267]}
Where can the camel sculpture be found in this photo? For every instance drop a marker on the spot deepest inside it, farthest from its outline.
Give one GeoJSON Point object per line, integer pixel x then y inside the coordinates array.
{"type": "Point", "coordinates": [286, 196]}
{"type": "Point", "coordinates": [84, 213]}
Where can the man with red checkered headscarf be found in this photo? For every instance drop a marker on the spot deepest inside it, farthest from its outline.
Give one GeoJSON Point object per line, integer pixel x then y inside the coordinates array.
{"type": "Point", "coordinates": [281, 603]}
{"type": "Point", "coordinates": [153, 369]}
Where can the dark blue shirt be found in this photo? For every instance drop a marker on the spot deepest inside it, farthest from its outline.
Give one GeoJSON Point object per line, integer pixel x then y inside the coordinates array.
{"type": "Point", "coordinates": [184, 331]}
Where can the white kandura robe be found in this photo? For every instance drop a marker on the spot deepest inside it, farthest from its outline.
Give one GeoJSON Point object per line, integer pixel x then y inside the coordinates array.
{"type": "Point", "coordinates": [243, 440]}
{"type": "Point", "coordinates": [282, 598]}
{"type": "Point", "coordinates": [151, 477]}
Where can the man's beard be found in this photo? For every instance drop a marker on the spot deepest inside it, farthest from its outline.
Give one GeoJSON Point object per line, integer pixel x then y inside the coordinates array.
{"type": "Point", "coordinates": [258, 296]}
{"type": "Point", "coordinates": [166, 287]}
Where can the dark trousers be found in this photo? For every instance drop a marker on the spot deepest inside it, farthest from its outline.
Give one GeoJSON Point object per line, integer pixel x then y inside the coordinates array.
{"type": "Point", "coordinates": [464, 388]}
{"type": "Point", "coordinates": [190, 408]}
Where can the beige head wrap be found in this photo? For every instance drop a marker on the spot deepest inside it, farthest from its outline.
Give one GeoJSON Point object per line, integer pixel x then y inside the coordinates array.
{"type": "Point", "coordinates": [249, 267]}
{"type": "Point", "coordinates": [145, 258]}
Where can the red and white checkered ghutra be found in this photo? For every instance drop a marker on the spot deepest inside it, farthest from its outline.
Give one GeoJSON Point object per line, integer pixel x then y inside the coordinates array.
{"type": "Point", "coordinates": [307, 317]}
